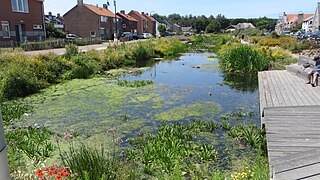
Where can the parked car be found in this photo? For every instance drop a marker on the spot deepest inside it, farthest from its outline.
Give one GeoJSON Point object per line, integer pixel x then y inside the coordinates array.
{"type": "Point", "coordinates": [137, 36]}
{"type": "Point", "coordinates": [72, 36]}
{"type": "Point", "coordinates": [147, 35]}
{"type": "Point", "coordinates": [127, 36]}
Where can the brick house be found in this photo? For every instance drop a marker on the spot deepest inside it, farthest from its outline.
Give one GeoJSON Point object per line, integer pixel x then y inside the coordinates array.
{"type": "Point", "coordinates": [22, 20]}
{"type": "Point", "coordinates": [151, 23]}
{"type": "Point", "coordinates": [128, 23]}
{"type": "Point", "coordinates": [142, 24]}
{"type": "Point", "coordinates": [89, 21]}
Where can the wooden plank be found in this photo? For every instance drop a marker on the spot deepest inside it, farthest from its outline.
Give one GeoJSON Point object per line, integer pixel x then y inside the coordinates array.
{"type": "Point", "coordinates": [286, 89]}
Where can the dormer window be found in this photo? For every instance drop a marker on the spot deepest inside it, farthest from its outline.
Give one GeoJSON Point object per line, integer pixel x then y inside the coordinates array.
{"type": "Point", "coordinates": [20, 6]}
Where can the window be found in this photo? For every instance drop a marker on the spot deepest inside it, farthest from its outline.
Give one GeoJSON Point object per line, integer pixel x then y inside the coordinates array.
{"type": "Point", "coordinates": [93, 33]}
{"type": "Point", "coordinates": [20, 5]}
{"type": "Point", "coordinates": [5, 29]}
{"type": "Point", "coordinates": [104, 19]}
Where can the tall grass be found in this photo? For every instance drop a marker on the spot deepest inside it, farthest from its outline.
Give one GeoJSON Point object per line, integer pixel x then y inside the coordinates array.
{"type": "Point", "coordinates": [243, 59]}
{"type": "Point", "coordinates": [90, 163]}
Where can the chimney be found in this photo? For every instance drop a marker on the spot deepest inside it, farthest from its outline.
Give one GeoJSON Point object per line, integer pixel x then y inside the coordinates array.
{"type": "Point", "coordinates": [123, 12]}
{"type": "Point", "coordinates": [50, 13]}
{"type": "Point", "coordinates": [105, 6]}
{"type": "Point", "coordinates": [58, 15]}
{"type": "Point", "coordinates": [80, 2]}
{"type": "Point", "coordinates": [142, 13]}
{"type": "Point", "coordinates": [147, 14]}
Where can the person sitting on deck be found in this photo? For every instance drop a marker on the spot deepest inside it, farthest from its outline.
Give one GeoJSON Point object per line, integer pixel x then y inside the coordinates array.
{"type": "Point", "coordinates": [313, 75]}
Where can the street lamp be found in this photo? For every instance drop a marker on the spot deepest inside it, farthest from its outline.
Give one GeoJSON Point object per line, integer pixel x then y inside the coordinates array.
{"type": "Point", "coordinates": [115, 21]}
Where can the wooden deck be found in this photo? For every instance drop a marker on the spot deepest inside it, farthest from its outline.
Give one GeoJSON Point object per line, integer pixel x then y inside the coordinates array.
{"type": "Point", "coordinates": [290, 112]}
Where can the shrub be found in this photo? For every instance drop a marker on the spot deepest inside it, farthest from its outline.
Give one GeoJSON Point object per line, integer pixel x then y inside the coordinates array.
{"type": "Point", "coordinates": [243, 59]}
{"type": "Point", "coordinates": [71, 50]}
{"type": "Point", "coordinates": [18, 81]}
{"type": "Point", "coordinates": [55, 67]}
{"type": "Point", "coordinates": [140, 53]}
{"type": "Point", "coordinates": [85, 66]}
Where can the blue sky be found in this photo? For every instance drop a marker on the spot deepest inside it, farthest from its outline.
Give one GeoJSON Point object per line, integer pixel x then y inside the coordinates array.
{"type": "Point", "coordinates": [229, 8]}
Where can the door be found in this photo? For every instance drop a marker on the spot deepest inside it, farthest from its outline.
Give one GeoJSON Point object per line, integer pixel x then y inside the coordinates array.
{"type": "Point", "coordinates": [20, 33]}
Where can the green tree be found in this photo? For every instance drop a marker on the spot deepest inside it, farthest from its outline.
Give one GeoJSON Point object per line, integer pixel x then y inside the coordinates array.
{"type": "Point", "coordinates": [162, 29]}
{"type": "Point", "coordinates": [214, 26]}
{"type": "Point", "coordinates": [53, 32]}
{"type": "Point", "coordinates": [224, 22]}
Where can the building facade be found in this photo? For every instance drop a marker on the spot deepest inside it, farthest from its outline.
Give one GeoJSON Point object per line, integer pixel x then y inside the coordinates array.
{"type": "Point", "coordinates": [151, 23]}
{"type": "Point", "coordinates": [288, 22]}
{"type": "Point", "coordinates": [22, 20]}
{"type": "Point", "coordinates": [142, 24]}
{"type": "Point", "coordinates": [89, 21]}
{"type": "Point", "coordinates": [128, 23]}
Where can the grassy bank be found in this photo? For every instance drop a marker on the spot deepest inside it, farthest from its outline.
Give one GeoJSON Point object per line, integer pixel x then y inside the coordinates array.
{"type": "Point", "coordinates": [21, 75]}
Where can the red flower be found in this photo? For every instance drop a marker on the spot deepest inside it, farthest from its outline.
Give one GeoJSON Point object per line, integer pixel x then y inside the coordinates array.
{"type": "Point", "coordinates": [240, 145]}
{"type": "Point", "coordinates": [39, 173]}
{"type": "Point", "coordinates": [58, 177]}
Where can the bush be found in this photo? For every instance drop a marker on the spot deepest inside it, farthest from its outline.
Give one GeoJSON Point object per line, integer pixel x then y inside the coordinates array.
{"type": "Point", "coordinates": [243, 59]}
{"type": "Point", "coordinates": [85, 66]}
{"type": "Point", "coordinates": [18, 82]}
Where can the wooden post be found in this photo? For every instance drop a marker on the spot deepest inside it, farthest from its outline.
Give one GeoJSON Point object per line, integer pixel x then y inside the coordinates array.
{"type": "Point", "coordinates": [4, 170]}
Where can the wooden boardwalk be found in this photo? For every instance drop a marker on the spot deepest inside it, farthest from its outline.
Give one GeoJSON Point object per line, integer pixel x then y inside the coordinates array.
{"type": "Point", "coordinates": [290, 112]}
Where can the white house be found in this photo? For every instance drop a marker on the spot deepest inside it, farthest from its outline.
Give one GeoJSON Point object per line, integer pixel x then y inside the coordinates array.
{"type": "Point", "coordinates": [307, 24]}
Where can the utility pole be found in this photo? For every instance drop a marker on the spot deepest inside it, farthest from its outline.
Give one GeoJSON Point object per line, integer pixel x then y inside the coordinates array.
{"type": "Point", "coordinates": [4, 170]}
{"type": "Point", "coordinates": [115, 21]}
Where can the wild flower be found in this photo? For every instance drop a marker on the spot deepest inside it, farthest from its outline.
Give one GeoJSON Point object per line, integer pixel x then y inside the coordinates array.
{"type": "Point", "coordinates": [54, 172]}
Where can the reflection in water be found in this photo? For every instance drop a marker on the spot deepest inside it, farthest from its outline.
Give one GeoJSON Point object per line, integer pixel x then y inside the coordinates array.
{"type": "Point", "coordinates": [243, 83]}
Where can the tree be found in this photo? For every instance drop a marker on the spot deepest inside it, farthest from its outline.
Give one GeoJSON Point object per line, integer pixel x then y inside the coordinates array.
{"type": "Point", "coordinates": [223, 21]}
{"type": "Point", "coordinates": [162, 29]}
{"type": "Point", "coordinates": [214, 26]}
{"type": "Point", "coordinates": [53, 32]}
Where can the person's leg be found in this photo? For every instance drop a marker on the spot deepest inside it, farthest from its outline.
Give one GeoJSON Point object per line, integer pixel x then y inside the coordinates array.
{"type": "Point", "coordinates": [315, 79]}
{"type": "Point", "coordinates": [309, 77]}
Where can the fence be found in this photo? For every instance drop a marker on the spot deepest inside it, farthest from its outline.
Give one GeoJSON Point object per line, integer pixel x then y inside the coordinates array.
{"type": "Point", "coordinates": [48, 44]}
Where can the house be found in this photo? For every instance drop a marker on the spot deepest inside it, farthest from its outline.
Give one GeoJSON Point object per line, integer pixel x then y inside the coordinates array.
{"type": "Point", "coordinates": [22, 20]}
{"type": "Point", "coordinates": [231, 28]}
{"type": "Point", "coordinates": [151, 23]}
{"type": "Point", "coordinates": [175, 28]}
{"type": "Point", "coordinates": [158, 22]}
{"type": "Point", "coordinates": [142, 24]}
{"type": "Point", "coordinates": [243, 26]}
{"type": "Point", "coordinates": [316, 19]}
{"type": "Point", "coordinates": [239, 26]}
{"type": "Point", "coordinates": [57, 21]}
{"type": "Point", "coordinates": [307, 24]}
{"type": "Point", "coordinates": [288, 22]}
{"type": "Point", "coordinates": [187, 30]}
{"type": "Point", "coordinates": [89, 21]}
{"type": "Point", "coordinates": [128, 23]}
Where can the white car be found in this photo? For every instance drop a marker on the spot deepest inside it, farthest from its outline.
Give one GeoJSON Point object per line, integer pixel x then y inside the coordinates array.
{"type": "Point", "coordinates": [72, 36]}
{"type": "Point", "coordinates": [147, 35]}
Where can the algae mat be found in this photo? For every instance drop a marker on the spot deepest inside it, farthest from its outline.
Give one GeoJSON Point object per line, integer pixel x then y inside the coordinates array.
{"type": "Point", "coordinates": [91, 107]}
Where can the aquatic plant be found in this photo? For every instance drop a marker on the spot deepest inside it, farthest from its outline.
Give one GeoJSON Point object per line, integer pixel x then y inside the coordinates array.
{"type": "Point", "coordinates": [137, 83]}
{"type": "Point", "coordinates": [243, 59]}
{"type": "Point", "coordinates": [251, 135]}
{"type": "Point", "coordinates": [33, 141]}
{"type": "Point", "coordinates": [90, 163]}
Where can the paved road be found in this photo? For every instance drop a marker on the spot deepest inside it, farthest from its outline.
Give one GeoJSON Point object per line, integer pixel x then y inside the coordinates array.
{"type": "Point", "coordinates": [97, 47]}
